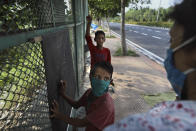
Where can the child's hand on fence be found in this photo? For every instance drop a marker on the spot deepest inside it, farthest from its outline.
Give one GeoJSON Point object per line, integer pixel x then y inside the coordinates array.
{"type": "Point", "coordinates": [89, 19]}
{"type": "Point", "coordinates": [62, 88]}
{"type": "Point", "coordinates": [55, 110]}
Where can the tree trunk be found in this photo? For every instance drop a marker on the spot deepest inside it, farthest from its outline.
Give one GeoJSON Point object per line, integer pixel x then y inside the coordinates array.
{"type": "Point", "coordinates": [123, 40]}
{"type": "Point", "coordinates": [99, 21]}
{"type": "Point", "coordinates": [108, 25]}
{"type": "Point", "coordinates": [158, 11]}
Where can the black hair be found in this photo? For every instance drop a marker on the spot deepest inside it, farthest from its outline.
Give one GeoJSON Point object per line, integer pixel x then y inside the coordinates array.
{"type": "Point", "coordinates": [184, 14]}
{"type": "Point", "coordinates": [99, 32]}
{"type": "Point", "coordinates": [104, 65]}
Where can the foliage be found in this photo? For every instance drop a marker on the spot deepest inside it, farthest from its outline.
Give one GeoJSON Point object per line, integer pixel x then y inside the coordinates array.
{"type": "Point", "coordinates": [109, 8]}
{"type": "Point", "coordinates": [17, 16]}
{"type": "Point", "coordinates": [158, 24]}
{"type": "Point", "coordinates": [147, 16]}
{"type": "Point", "coordinates": [22, 15]}
{"type": "Point", "coordinates": [102, 8]}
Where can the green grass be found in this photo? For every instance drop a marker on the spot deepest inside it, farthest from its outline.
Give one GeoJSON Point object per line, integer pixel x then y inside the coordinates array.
{"type": "Point", "coordinates": [111, 36]}
{"type": "Point", "coordinates": [157, 24]}
{"type": "Point", "coordinates": [101, 28]}
{"type": "Point", "coordinates": [157, 98]}
{"type": "Point", "coordinates": [129, 53]}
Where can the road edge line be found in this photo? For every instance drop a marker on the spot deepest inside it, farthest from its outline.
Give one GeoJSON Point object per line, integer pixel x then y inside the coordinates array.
{"type": "Point", "coordinates": [147, 53]}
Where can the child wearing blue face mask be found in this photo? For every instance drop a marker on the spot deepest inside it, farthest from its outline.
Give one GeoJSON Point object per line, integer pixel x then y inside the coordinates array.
{"type": "Point", "coordinates": [180, 65]}
{"type": "Point", "coordinates": [98, 103]}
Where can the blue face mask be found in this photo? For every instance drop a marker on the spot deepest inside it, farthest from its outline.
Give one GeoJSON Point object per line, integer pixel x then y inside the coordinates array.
{"type": "Point", "coordinates": [175, 76]}
{"type": "Point", "coordinates": [99, 87]}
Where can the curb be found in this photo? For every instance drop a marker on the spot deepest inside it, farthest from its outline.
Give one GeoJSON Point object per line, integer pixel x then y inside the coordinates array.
{"type": "Point", "coordinates": [152, 27]}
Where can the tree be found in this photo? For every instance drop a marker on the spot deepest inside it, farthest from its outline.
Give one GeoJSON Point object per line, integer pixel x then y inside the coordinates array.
{"type": "Point", "coordinates": [104, 8]}
{"type": "Point", "coordinates": [123, 37]}
{"type": "Point", "coordinates": [101, 8]}
{"type": "Point", "coordinates": [110, 8]}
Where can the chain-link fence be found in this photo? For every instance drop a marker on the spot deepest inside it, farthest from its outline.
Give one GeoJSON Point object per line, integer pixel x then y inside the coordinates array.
{"type": "Point", "coordinates": [23, 101]}
{"type": "Point", "coordinates": [26, 15]}
{"type": "Point", "coordinates": [23, 90]}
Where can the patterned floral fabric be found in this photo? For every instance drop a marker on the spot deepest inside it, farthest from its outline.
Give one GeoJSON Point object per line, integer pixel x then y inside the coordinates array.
{"type": "Point", "coordinates": [166, 116]}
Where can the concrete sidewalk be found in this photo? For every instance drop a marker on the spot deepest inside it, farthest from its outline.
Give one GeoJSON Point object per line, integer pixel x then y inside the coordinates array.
{"type": "Point", "coordinates": [134, 77]}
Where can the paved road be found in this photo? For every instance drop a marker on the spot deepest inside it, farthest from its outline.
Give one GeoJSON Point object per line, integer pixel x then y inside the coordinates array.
{"type": "Point", "coordinates": [155, 40]}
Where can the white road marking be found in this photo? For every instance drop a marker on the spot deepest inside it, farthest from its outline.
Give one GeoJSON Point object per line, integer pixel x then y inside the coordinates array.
{"type": "Point", "coordinates": [144, 34]}
{"type": "Point", "coordinates": [143, 50]}
{"type": "Point", "coordinates": [135, 31]}
{"type": "Point", "coordinates": [157, 31]}
{"type": "Point", "coordinates": [156, 37]}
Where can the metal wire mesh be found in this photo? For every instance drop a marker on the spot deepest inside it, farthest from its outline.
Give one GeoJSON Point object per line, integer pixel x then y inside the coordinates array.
{"type": "Point", "coordinates": [25, 15]}
{"type": "Point", "coordinates": [23, 91]}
